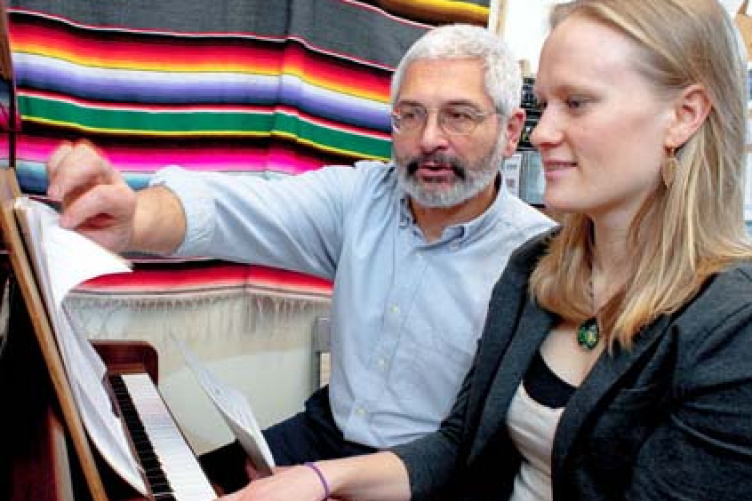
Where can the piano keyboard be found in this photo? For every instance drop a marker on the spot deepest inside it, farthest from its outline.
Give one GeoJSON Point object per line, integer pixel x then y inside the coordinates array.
{"type": "Point", "coordinates": [171, 469]}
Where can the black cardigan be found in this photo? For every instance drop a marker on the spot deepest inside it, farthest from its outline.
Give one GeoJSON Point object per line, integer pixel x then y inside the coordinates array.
{"type": "Point", "coordinates": [669, 419]}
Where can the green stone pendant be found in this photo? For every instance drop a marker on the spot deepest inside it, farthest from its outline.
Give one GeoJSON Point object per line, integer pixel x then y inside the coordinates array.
{"type": "Point", "coordinates": [588, 334]}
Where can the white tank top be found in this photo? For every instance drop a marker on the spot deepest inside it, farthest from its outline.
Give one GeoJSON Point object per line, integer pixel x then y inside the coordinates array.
{"type": "Point", "coordinates": [532, 427]}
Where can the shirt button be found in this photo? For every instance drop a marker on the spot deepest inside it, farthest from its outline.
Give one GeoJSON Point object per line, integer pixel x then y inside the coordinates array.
{"type": "Point", "coordinates": [382, 363]}
{"type": "Point", "coordinates": [395, 309]}
{"type": "Point", "coordinates": [360, 411]}
{"type": "Point", "coordinates": [454, 245]}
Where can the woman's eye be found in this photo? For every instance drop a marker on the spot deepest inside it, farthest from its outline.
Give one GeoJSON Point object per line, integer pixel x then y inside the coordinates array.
{"type": "Point", "coordinates": [576, 103]}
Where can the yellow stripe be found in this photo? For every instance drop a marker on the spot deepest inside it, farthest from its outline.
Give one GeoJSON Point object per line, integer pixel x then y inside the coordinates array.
{"type": "Point", "coordinates": [318, 146]}
{"type": "Point", "coordinates": [286, 135]}
{"type": "Point", "coordinates": [140, 132]}
{"type": "Point", "coordinates": [438, 11]}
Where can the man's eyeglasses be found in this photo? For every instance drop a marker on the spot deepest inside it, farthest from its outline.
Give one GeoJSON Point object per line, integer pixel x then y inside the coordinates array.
{"type": "Point", "coordinates": [454, 120]}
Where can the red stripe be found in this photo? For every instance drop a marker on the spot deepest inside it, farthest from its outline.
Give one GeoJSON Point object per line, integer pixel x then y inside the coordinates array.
{"type": "Point", "coordinates": [216, 276]}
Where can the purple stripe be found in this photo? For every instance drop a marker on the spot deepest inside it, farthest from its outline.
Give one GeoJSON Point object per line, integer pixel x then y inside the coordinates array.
{"type": "Point", "coordinates": [164, 88]}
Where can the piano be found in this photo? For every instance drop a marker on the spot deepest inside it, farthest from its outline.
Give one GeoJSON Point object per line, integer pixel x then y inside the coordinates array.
{"type": "Point", "coordinates": [40, 464]}
{"type": "Point", "coordinates": [45, 453]}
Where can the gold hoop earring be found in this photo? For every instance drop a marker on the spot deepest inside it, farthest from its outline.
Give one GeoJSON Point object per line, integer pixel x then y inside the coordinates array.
{"type": "Point", "coordinates": [669, 168]}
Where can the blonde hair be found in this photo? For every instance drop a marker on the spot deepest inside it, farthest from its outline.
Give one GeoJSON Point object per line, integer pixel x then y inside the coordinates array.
{"type": "Point", "coordinates": [688, 232]}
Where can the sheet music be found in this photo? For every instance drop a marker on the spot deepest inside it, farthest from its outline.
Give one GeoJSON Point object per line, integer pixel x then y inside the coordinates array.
{"type": "Point", "coordinates": [236, 411]}
{"type": "Point", "coordinates": [64, 259]}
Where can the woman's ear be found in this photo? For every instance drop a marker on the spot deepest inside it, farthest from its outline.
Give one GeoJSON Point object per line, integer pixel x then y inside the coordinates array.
{"type": "Point", "coordinates": [691, 109]}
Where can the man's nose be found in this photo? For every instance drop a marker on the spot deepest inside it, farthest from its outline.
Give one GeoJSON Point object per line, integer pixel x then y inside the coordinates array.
{"type": "Point", "coordinates": [432, 136]}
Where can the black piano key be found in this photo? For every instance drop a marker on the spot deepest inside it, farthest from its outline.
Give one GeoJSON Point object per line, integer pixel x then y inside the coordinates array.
{"type": "Point", "coordinates": [164, 469]}
{"type": "Point", "coordinates": [158, 482]}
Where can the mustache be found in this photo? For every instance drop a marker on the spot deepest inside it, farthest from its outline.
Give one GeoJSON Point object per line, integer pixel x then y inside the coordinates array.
{"type": "Point", "coordinates": [439, 159]}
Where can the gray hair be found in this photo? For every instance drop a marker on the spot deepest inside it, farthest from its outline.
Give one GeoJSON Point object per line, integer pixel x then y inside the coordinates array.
{"type": "Point", "coordinates": [503, 80]}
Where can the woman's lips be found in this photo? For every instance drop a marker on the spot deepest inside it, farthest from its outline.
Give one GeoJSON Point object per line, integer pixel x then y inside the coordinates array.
{"type": "Point", "coordinates": [554, 169]}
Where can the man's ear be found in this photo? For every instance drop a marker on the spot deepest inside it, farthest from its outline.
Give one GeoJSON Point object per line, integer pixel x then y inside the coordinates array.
{"type": "Point", "coordinates": [691, 109]}
{"type": "Point", "coordinates": [514, 125]}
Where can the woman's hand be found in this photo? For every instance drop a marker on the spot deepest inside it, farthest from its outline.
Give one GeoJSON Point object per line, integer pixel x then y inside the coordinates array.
{"type": "Point", "coordinates": [298, 483]}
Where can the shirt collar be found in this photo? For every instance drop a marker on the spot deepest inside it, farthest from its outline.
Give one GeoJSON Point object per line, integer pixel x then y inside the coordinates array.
{"type": "Point", "coordinates": [470, 229]}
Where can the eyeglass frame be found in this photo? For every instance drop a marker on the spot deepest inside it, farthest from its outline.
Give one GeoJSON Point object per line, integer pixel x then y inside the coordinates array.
{"type": "Point", "coordinates": [477, 117]}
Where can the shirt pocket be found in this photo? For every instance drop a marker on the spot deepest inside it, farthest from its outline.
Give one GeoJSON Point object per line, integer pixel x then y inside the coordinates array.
{"type": "Point", "coordinates": [431, 371]}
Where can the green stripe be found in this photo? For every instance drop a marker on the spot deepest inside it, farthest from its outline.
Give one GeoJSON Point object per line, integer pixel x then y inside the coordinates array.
{"type": "Point", "coordinates": [201, 122]}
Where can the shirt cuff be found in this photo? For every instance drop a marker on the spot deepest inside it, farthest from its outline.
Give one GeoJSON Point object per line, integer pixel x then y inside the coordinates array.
{"type": "Point", "coordinates": [198, 206]}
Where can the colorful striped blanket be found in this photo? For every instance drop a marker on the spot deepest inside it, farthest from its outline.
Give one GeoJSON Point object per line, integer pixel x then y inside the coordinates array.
{"type": "Point", "coordinates": [244, 86]}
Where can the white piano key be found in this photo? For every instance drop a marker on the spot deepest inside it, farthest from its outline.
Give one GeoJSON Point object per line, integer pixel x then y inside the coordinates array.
{"type": "Point", "coordinates": [179, 465]}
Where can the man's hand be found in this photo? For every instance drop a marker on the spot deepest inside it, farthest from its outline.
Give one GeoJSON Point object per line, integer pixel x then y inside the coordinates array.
{"type": "Point", "coordinates": [99, 204]}
{"type": "Point", "coordinates": [96, 201]}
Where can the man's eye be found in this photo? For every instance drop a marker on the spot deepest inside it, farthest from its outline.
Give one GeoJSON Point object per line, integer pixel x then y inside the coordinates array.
{"type": "Point", "coordinates": [409, 115]}
{"type": "Point", "coordinates": [459, 115]}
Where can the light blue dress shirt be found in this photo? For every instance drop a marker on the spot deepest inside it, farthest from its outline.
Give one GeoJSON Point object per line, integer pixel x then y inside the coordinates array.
{"type": "Point", "coordinates": [405, 314]}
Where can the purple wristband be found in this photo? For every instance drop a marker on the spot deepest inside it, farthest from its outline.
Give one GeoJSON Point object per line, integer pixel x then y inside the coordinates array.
{"type": "Point", "coordinates": [318, 473]}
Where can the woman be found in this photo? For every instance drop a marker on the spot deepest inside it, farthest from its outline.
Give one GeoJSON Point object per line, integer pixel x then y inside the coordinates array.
{"type": "Point", "coordinates": [616, 361]}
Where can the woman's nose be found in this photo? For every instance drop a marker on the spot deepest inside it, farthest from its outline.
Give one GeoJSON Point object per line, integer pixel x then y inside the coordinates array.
{"type": "Point", "coordinates": [546, 131]}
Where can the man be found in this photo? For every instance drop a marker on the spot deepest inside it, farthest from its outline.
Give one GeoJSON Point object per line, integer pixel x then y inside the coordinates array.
{"type": "Point", "coordinates": [413, 246]}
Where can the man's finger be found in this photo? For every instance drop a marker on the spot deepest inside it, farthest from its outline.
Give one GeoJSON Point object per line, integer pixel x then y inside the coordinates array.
{"type": "Point", "coordinates": [52, 166]}
{"type": "Point", "coordinates": [101, 200]}
{"type": "Point", "coordinates": [77, 169]}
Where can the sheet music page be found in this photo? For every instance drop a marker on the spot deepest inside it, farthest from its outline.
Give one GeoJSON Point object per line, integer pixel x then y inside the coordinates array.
{"type": "Point", "coordinates": [64, 259]}
{"type": "Point", "coordinates": [236, 411]}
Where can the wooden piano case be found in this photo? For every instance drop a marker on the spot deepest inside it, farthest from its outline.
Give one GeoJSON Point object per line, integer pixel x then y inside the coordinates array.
{"type": "Point", "coordinates": [44, 451]}
{"type": "Point", "coordinates": [39, 459]}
